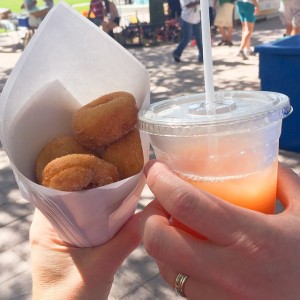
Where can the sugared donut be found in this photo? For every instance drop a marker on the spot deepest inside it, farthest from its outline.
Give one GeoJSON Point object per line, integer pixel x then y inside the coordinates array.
{"type": "Point", "coordinates": [55, 148]}
{"type": "Point", "coordinates": [126, 154]}
{"type": "Point", "coordinates": [76, 172]}
{"type": "Point", "coordinates": [105, 120]}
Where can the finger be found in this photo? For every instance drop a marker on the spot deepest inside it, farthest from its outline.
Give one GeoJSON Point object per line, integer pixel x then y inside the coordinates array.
{"type": "Point", "coordinates": [205, 261]}
{"type": "Point", "coordinates": [157, 231]}
{"type": "Point", "coordinates": [210, 216]}
{"type": "Point", "coordinates": [193, 288]}
{"type": "Point", "coordinates": [122, 244]}
{"type": "Point", "coordinates": [288, 188]}
{"type": "Point", "coordinates": [161, 240]}
{"type": "Point", "coordinates": [177, 248]}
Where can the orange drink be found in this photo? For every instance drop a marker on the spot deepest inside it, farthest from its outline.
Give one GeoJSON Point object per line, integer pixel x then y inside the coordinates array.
{"type": "Point", "coordinates": [255, 191]}
{"type": "Point", "coordinates": [229, 149]}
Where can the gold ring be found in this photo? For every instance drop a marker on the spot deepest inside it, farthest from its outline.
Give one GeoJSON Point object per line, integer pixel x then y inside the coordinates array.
{"type": "Point", "coordinates": [179, 284]}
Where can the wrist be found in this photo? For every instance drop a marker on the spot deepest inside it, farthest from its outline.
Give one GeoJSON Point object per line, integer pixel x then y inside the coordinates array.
{"type": "Point", "coordinates": [55, 278]}
{"type": "Point", "coordinates": [69, 291]}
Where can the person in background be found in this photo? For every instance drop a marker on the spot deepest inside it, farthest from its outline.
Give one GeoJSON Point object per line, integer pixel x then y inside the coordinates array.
{"type": "Point", "coordinates": [247, 9]}
{"type": "Point", "coordinates": [111, 19]}
{"type": "Point", "coordinates": [174, 9]}
{"type": "Point", "coordinates": [49, 3]}
{"type": "Point", "coordinates": [224, 21]}
{"type": "Point", "coordinates": [190, 27]}
{"type": "Point", "coordinates": [96, 12]}
{"type": "Point", "coordinates": [29, 5]}
{"type": "Point", "coordinates": [289, 12]}
{"type": "Point", "coordinates": [247, 254]}
{"type": "Point", "coordinates": [212, 15]}
{"type": "Point", "coordinates": [62, 271]}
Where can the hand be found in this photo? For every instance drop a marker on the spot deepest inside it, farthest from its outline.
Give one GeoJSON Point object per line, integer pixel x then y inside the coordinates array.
{"type": "Point", "coordinates": [62, 271]}
{"type": "Point", "coordinates": [248, 255]}
{"type": "Point", "coordinates": [193, 4]}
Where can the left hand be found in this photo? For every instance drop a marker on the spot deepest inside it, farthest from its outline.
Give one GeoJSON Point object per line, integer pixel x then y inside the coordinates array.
{"type": "Point", "coordinates": [248, 255]}
{"type": "Point", "coordinates": [62, 271]}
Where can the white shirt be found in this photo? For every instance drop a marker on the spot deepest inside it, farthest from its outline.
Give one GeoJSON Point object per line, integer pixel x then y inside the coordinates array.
{"type": "Point", "coordinates": [247, 1]}
{"type": "Point", "coordinates": [192, 14]}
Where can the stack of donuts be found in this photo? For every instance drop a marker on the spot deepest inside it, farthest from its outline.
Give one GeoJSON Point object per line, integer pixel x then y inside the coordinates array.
{"type": "Point", "coordinates": [105, 146]}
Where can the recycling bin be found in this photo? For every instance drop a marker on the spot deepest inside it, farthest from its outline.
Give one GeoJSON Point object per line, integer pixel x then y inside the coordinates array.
{"type": "Point", "coordinates": [279, 71]}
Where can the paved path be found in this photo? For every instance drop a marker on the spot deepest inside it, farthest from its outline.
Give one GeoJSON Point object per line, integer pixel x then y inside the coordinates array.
{"type": "Point", "coordinates": [138, 277]}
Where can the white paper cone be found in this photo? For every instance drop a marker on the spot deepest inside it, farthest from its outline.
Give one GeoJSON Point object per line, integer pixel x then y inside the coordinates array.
{"type": "Point", "coordinates": [68, 63]}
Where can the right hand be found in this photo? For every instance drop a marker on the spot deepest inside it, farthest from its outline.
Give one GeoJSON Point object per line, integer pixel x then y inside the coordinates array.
{"type": "Point", "coordinates": [248, 255]}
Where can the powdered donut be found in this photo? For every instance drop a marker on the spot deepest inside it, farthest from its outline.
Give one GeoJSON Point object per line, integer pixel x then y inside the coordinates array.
{"type": "Point", "coordinates": [76, 172]}
{"type": "Point", "coordinates": [57, 147]}
{"type": "Point", "coordinates": [105, 120]}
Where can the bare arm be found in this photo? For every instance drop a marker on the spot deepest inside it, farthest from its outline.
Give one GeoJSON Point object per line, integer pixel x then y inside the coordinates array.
{"type": "Point", "coordinates": [192, 4]}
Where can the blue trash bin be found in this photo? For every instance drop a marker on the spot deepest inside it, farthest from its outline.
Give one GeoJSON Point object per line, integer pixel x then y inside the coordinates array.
{"type": "Point", "coordinates": [279, 71]}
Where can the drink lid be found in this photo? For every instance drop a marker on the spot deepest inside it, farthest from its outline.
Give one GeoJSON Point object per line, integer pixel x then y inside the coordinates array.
{"type": "Point", "coordinates": [232, 111]}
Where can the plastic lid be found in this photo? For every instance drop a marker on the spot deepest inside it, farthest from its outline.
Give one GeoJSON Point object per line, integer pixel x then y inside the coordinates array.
{"type": "Point", "coordinates": [233, 111]}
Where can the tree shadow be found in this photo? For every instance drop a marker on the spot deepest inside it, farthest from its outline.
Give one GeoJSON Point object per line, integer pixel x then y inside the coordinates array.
{"type": "Point", "coordinates": [4, 74]}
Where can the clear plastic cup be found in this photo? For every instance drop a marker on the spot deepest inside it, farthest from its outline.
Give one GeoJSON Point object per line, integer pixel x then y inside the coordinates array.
{"type": "Point", "coordinates": [231, 152]}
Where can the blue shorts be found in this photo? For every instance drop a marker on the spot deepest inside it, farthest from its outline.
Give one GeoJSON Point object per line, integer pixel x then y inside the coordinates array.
{"type": "Point", "coordinates": [246, 12]}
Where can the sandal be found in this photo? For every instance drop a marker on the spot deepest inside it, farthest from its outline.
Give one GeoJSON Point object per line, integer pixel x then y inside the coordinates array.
{"type": "Point", "coordinates": [222, 43]}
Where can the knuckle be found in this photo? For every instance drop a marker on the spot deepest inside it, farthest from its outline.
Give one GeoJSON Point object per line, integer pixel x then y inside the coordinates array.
{"type": "Point", "coordinates": [183, 201]}
{"type": "Point", "coordinates": [152, 238]}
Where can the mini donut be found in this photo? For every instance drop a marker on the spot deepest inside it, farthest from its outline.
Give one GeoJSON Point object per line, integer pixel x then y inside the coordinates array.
{"type": "Point", "coordinates": [105, 120]}
{"type": "Point", "coordinates": [76, 172]}
{"type": "Point", "coordinates": [55, 148]}
{"type": "Point", "coordinates": [126, 154]}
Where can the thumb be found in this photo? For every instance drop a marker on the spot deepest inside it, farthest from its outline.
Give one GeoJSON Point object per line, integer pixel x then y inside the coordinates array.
{"type": "Point", "coordinates": [219, 221]}
{"type": "Point", "coordinates": [288, 188]}
{"type": "Point", "coordinates": [123, 243]}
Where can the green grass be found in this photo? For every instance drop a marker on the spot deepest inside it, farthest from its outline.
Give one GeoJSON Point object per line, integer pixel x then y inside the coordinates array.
{"type": "Point", "coordinates": [15, 5]}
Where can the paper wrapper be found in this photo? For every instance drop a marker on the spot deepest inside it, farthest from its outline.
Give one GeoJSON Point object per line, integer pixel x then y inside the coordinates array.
{"type": "Point", "coordinates": [68, 63]}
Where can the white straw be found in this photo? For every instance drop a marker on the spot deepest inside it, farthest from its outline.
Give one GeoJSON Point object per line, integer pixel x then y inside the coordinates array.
{"type": "Point", "coordinates": [207, 56]}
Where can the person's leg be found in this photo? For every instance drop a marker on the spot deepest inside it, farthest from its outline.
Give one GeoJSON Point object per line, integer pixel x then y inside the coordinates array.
{"type": "Point", "coordinates": [286, 16]}
{"type": "Point", "coordinates": [288, 29]}
{"type": "Point", "coordinates": [223, 34]}
{"type": "Point", "coordinates": [219, 23]}
{"type": "Point", "coordinates": [240, 6]}
{"type": "Point", "coordinates": [243, 41]}
{"type": "Point", "coordinates": [245, 34]}
{"type": "Point", "coordinates": [186, 34]}
{"type": "Point", "coordinates": [296, 17]}
{"type": "Point", "coordinates": [250, 30]}
{"type": "Point", "coordinates": [198, 38]}
{"type": "Point", "coordinates": [229, 36]}
{"type": "Point", "coordinates": [248, 27]}
{"type": "Point", "coordinates": [228, 22]}
{"type": "Point", "coordinates": [296, 30]}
